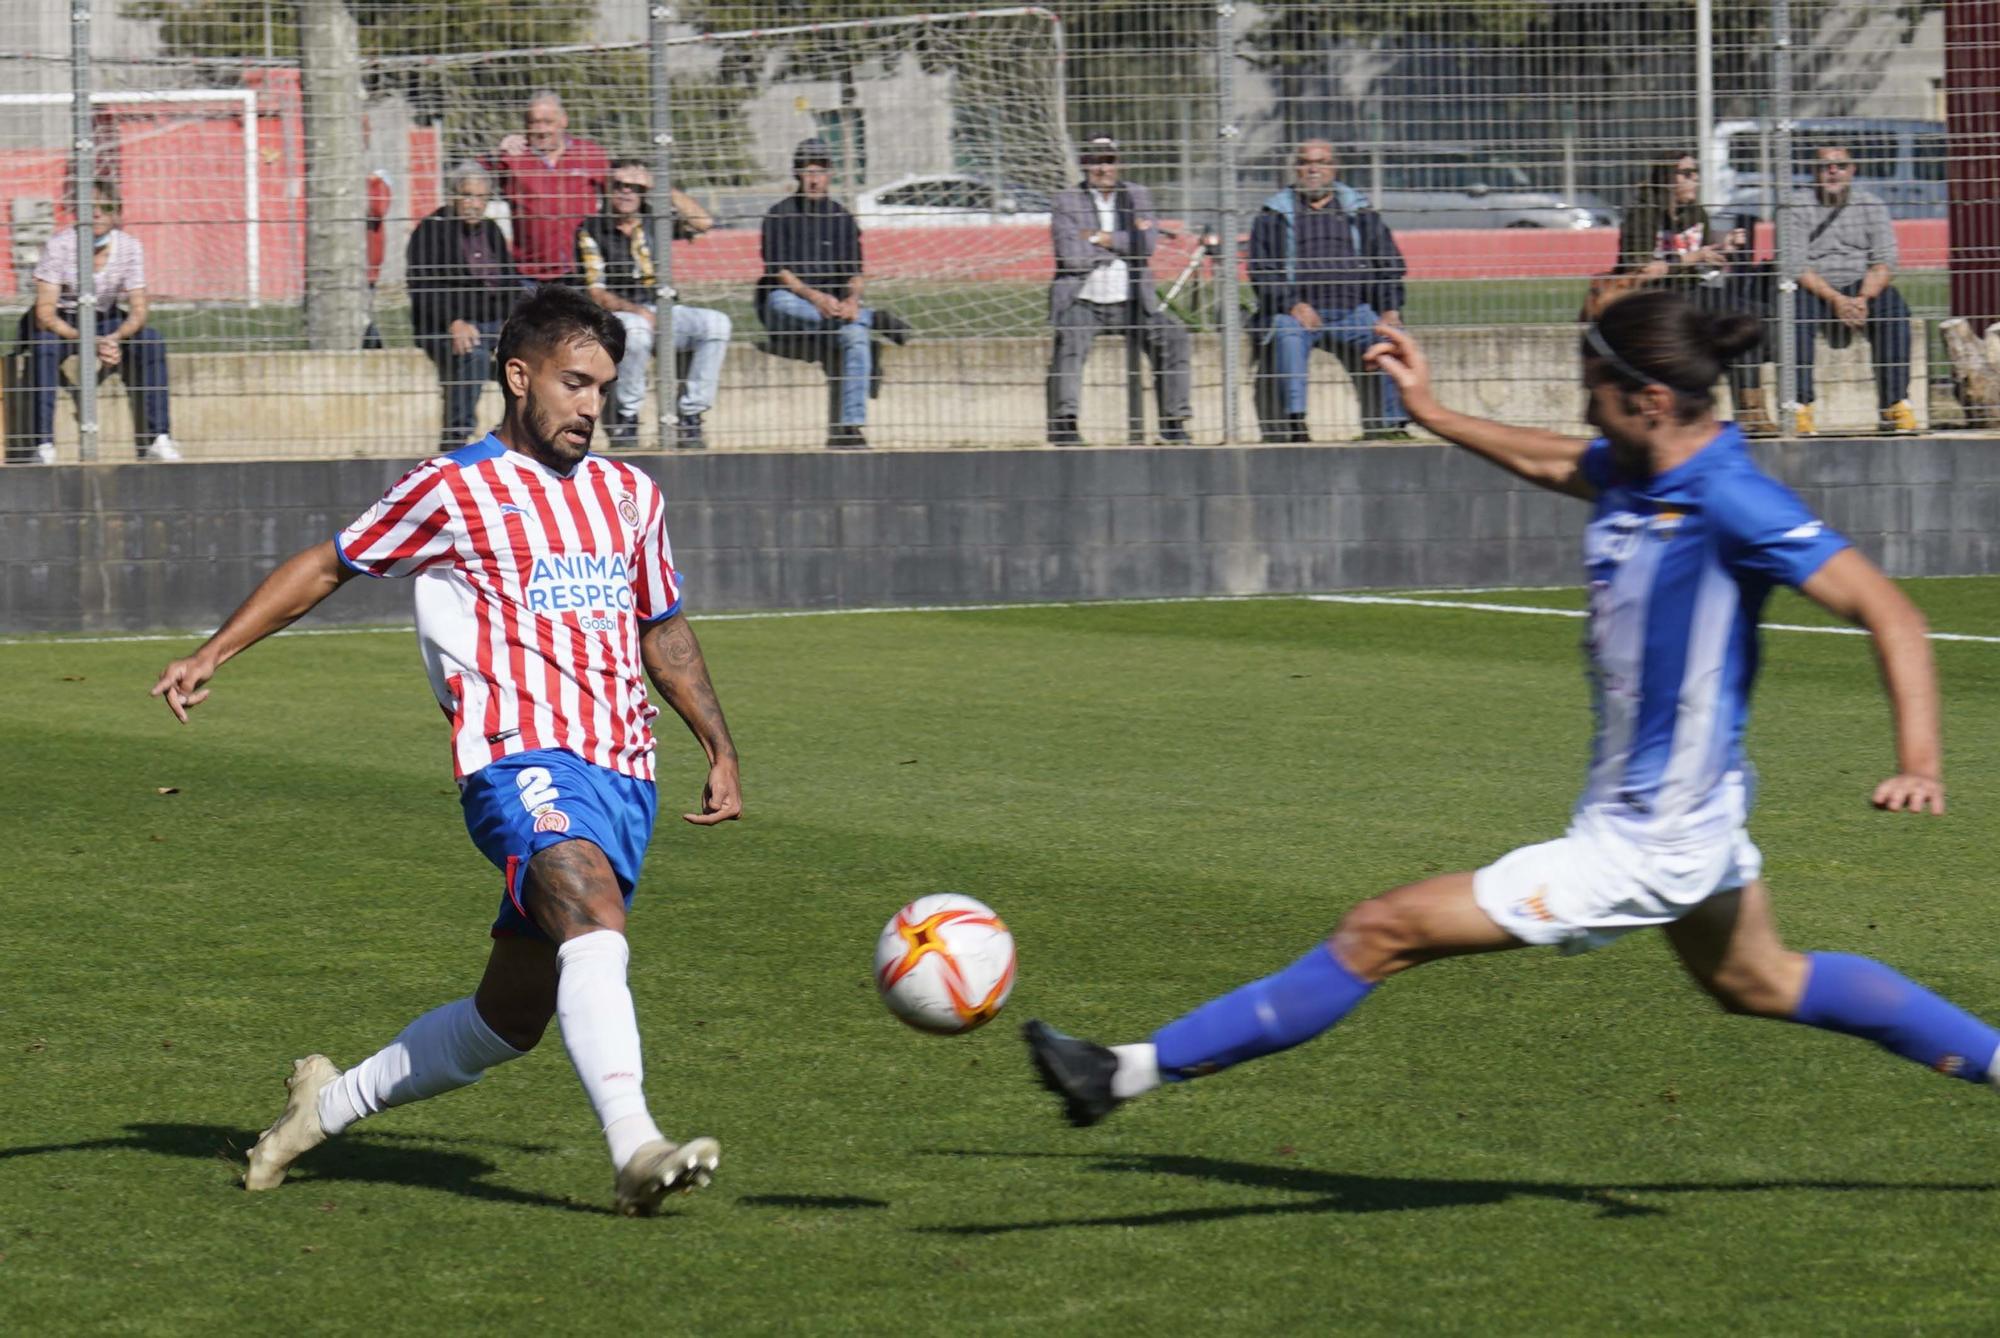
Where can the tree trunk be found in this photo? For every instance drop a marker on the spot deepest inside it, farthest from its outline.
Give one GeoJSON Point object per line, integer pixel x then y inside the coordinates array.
{"type": "Point", "coordinates": [336, 222]}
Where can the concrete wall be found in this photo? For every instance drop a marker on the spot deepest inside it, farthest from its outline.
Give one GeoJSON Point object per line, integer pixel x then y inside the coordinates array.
{"type": "Point", "coordinates": [136, 546]}
{"type": "Point", "coordinates": [936, 393]}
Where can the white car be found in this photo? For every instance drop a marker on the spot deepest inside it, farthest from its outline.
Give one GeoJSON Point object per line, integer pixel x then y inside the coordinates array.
{"type": "Point", "coordinates": [950, 200]}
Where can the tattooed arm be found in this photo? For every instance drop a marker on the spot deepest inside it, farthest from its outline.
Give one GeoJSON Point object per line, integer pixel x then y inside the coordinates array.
{"type": "Point", "coordinates": [673, 661]}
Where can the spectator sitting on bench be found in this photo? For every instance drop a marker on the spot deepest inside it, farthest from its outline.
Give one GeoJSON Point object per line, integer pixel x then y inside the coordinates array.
{"type": "Point", "coordinates": [614, 253]}
{"type": "Point", "coordinates": [1850, 258]}
{"type": "Point", "coordinates": [812, 284]}
{"type": "Point", "coordinates": [124, 342]}
{"type": "Point", "coordinates": [1326, 268]}
{"type": "Point", "coordinates": [1103, 231]}
{"type": "Point", "coordinates": [462, 284]}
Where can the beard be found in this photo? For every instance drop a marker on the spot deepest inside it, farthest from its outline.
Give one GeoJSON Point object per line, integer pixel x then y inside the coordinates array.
{"type": "Point", "coordinates": [549, 434]}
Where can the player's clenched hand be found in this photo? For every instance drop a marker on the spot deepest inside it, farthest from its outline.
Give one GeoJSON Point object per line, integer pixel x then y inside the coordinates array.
{"type": "Point", "coordinates": [1906, 793]}
{"type": "Point", "coordinates": [181, 685]}
{"type": "Point", "coordinates": [721, 798]}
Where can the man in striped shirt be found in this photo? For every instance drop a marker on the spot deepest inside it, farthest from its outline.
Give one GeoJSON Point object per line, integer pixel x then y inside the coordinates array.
{"type": "Point", "coordinates": [546, 596]}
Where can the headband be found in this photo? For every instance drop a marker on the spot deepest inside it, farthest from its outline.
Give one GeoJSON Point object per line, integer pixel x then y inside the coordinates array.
{"type": "Point", "coordinates": [1602, 348]}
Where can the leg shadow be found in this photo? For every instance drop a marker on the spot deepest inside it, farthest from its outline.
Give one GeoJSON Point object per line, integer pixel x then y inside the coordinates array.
{"type": "Point", "coordinates": [389, 1158]}
{"type": "Point", "coordinates": [1338, 1192]}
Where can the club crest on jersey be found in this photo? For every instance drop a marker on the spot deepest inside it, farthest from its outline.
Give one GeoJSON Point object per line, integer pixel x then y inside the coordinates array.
{"type": "Point", "coordinates": [1666, 525]}
{"type": "Point", "coordinates": [628, 510]}
{"type": "Point", "coordinates": [1614, 538]}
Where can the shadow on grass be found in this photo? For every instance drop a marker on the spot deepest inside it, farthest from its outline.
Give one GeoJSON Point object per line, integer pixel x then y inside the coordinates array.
{"type": "Point", "coordinates": [826, 1201]}
{"type": "Point", "coordinates": [389, 1159]}
{"type": "Point", "coordinates": [1338, 1192]}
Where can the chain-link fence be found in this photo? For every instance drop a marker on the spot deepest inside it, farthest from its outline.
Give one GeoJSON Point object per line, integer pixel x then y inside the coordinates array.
{"type": "Point", "coordinates": [875, 222]}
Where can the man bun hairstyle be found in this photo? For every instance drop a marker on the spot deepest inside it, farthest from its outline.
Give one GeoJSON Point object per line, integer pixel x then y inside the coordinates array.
{"type": "Point", "coordinates": [1664, 338]}
{"type": "Point", "coordinates": [553, 315]}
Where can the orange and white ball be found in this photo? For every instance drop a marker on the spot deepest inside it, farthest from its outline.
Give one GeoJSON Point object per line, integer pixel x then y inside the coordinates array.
{"type": "Point", "coordinates": [945, 963]}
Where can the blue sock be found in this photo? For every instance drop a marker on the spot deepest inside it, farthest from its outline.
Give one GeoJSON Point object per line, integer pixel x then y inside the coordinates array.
{"type": "Point", "coordinates": [1861, 997]}
{"type": "Point", "coordinates": [1262, 1018]}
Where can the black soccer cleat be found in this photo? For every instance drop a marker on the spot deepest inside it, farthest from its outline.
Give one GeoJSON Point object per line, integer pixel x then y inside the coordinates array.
{"type": "Point", "coordinates": [1076, 1070]}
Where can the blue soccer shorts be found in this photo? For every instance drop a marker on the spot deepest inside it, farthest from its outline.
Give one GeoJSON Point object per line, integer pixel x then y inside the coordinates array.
{"type": "Point", "coordinates": [523, 804]}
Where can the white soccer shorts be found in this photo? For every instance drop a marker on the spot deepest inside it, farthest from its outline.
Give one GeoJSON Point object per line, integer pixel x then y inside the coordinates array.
{"type": "Point", "coordinates": [1593, 886]}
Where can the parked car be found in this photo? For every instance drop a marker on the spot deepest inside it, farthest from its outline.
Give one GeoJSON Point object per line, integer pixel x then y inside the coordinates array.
{"type": "Point", "coordinates": [1457, 186]}
{"type": "Point", "coordinates": [1427, 186]}
{"type": "Point", "coordinates": [1901, 160]}
{"type": "Point", "coordinates": [951, 200]}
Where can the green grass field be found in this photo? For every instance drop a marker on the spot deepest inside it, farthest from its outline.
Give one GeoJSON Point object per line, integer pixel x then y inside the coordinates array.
{"type": "Point", "coordinates": [1162, 800]}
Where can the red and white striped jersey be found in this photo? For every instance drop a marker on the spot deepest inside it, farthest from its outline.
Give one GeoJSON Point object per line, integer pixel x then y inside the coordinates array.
{"type": "Point", "coordinates": [531, 590]}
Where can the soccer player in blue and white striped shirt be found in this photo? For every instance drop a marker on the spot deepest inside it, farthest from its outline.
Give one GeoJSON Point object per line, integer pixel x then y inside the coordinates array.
{"type": "Point", "coordinates": [1686, 542]}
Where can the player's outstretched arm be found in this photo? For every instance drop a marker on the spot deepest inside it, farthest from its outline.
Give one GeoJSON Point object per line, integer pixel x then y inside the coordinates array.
{"type": "Point", "coordinates": [1548, 458]}
{"type": "Point", "coordinates": [285, 596]}
{"type": "Point", "coordinates": [1849, 586]}
{"type": "Point", "coordinates": [673, 661]}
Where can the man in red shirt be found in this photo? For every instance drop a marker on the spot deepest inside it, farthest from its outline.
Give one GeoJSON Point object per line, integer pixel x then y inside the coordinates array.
{"type": "Point", "coordinates": [552, 181]}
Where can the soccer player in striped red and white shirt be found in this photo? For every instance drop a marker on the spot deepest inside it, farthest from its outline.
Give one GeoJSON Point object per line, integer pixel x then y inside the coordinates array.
{"type": "Point", "coordinates": [546, 597]}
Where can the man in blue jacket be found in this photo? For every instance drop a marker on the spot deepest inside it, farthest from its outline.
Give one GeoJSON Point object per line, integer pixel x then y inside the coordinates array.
{"type": "Point", "coordinates": [1326, 269]}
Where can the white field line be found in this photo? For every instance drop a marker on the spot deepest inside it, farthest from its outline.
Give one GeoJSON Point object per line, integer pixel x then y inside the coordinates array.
{"type": "Point", "coordinates": [193, 638]}
{"type": "Point", "coordinates": [1533, 611]}
{"type": "Point", "coordinates": [758, 615]}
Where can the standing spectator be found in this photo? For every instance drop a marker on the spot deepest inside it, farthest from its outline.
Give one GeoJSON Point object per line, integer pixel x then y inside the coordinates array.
{"type": "Point", "coordinates": [125, 344]}
{"type": "Point", "coordinates": [462, 284]}
{"type": "Point", "coordinates": [1326, 269]}
{"type": "Point", "coordinates": [552, 181]}
{"type": "Point", "coordinates": [1850, 258]}
{"type": "Point", "coordinates": [812, 282]}
{"type": "Point", "coordinates": [380, 196]}
{"type": "Point", "coordinates": [614, 254]}
{"type": "Point", "coordinates": [1104, 234]}
{"type": "Point", "coordinates": [1668, 240]}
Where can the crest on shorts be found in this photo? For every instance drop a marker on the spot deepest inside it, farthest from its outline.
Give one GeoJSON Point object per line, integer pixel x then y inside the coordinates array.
{"type": "Point", "coordinates": [551, 820]}
{"type": "Point", "coordinates": [629, 510]}
{"type": "Point", "coordinates": [1535, 906]}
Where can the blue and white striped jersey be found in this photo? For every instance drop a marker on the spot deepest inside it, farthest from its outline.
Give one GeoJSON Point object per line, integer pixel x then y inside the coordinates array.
{"type": "Point", "coordinates": [1680, 565]}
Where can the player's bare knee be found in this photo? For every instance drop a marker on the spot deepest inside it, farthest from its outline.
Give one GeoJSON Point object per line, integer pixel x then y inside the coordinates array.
{"type": "Point", "coordinates": [1766, 987]}
{"type": "Point", "coordinates": [1377, 937]}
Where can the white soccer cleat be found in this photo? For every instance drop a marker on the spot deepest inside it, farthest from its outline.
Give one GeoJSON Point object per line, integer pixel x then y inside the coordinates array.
{"type": "Point", "coordinates": [45, 452]}
{"type": "Point", "coordinates": [662, 1168]}
{"type": "Point", "coordinates": [298, 1130]}
{"type": "Point", "coordinates": [163, 448]}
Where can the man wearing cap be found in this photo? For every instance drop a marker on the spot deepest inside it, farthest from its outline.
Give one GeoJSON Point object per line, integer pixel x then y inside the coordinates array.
{"type": "Point", "coordinates": [1104, 233]}
{"type": "Point", "coordinates": [614, 255]}
{"type": "Point", "coordinates": [812, 282]}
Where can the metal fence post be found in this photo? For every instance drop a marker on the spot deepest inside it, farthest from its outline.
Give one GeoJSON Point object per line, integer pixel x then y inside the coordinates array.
{"type": "Point", "coordinates": [1227, 134]}
{"type": "Point", "coordinates": [666, 361]}
{"type": "Point", "coordinates": [83, 173]}
{"type": "Point", "coordinates": [1786, 214]}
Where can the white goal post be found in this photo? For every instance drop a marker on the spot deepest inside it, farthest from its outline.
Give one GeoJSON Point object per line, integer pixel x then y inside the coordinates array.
{"type": "Point", "coordinates": [247, 113]}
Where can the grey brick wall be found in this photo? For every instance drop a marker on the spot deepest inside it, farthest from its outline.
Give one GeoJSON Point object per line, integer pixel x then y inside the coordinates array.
{"type": "Point", "coordinates": [129, 547]}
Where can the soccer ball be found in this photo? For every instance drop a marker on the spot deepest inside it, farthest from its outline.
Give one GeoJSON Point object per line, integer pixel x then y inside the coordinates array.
{"type": "Point", "coordinates": [944, 963]}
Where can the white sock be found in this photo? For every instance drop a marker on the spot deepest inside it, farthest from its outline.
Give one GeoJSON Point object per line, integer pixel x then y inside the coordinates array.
{"type": "Point", "coordinates": [446, 1048]}
{"type": "Point", "coordinates": [1138, 1070]}
{"type": "Point", "coordinates": [601, 1032]}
